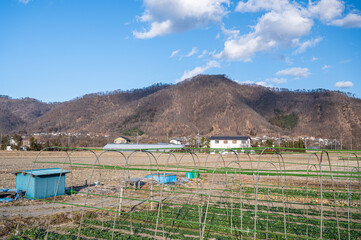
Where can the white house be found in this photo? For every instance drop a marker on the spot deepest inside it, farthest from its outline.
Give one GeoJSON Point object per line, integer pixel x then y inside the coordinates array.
{"type": "Point", "coordinates": [175, 141]}
{"type": "Point", "coordinates": [230, 142]}
{"type": "Point", "coordinates": [13, 142]}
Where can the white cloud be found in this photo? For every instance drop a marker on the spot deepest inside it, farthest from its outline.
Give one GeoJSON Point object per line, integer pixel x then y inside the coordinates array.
{"type": "Point", "coordinates": [307, 44]}
{"type": "Point", "coordinates": [331, 11]}
{"type": "Point", "coordinates": [157, 29]}
{"type": "Point", "coordinates": [345, 84]}
{"type": "Point", "coordinates": [283, 24]}
{"type": "Point", "coordinates": [175, 52]}
{"type": "Point", "coordinates": [259, 5]}
{"type": "Point", "coordinates": [192, 52]}
{"type": "Point", "coordinates": [313, 59]}
{"type": "Point", "coordinates": [171, 16]}
{"type": "Point", "coordinates": [286, 26]}
{"type": "Point", "coordinates": [264, 84]}
{"type": "Point", "coordinates": [198, 70]}
{"type": "Point", "coordinates": [24, 1]}
{"type": "Point", "coordinates": [326, 10]}
{"type": "Point", "coordinates": [245, 82]}
{"type": "Point", "coordinates": [294, 72]}
{"type": "Point", "coordinates": [277, 80]}
{"type": "Point", "coordinates": [203, 54]}
{"type": "Point", "coordinates": [229, 32]}
{"type": "Point", "coordinates": [325, 67]}
{"type": "Point", "coordinates": [274, 28]}
{"type": "Point", "coordinates": [242, 49]}
{"type": "Point", "coordinates": [352, 20]}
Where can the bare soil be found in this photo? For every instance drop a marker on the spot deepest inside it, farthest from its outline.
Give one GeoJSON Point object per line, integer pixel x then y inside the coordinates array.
{"type": "Point", "coordinates": [105, 195]}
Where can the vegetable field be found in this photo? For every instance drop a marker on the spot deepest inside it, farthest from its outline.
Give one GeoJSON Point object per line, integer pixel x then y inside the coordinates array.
{"type": "Point", "coordinates": [268, 195]}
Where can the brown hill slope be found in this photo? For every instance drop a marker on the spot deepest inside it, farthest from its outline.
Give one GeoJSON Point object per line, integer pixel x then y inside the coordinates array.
{"type": "Point", "coordinates": [210, 104]}
{"type": "Point", "coordinates": [9, 121]}
{"type": "Point", "coordinates": [14, 113]}
{"type": "Point", "coordinates": [320, 113]}
{"type": "Point", "coordinates": [89, 113]}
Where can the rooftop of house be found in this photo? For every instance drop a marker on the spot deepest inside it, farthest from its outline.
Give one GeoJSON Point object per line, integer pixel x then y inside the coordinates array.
{"type": "Point", "coordinates": [229, 138]}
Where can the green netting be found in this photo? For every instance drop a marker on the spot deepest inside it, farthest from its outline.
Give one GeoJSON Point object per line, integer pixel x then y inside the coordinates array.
{"type": "Point", "coordinates": [272, 195]}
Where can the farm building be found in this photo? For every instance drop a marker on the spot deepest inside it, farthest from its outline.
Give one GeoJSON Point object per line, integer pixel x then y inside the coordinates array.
{"type": "Point", "coordinates": [161, 147]}
{"type": "Point", "coordinates": [41, 183]}
{"type": "Point", "coordinates": [230, 142]}
{"type": "Point", "coordinates": [122, 139]}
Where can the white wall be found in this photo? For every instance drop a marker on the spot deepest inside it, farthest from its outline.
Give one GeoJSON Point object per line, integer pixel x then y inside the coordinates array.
{"type": "Point", "coordinates": [231, 143]}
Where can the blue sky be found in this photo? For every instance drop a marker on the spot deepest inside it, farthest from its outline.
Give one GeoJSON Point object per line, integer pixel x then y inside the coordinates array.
{"type": "Point", "coordinates": [56, 50]}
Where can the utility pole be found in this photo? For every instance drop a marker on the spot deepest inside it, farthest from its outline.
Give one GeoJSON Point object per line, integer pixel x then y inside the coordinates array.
{"type": "Point", "coordinates": [319, 144]}
{"type": "Point", "coordinates": [198, 139]}
{"type": "Point", "coordinates": [341, 140]}
{"type": "Point", "coordinates": [351, 143]}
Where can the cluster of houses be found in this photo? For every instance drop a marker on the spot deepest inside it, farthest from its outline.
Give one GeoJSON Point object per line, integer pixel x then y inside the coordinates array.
{"type": "Point", "coordinates": [310, 142]}
{"type": "Point", "coordinates": [224, 142]}
{"type": "Point", "coordinates": [22, 144]}
{"type": "Point", "coordinates": [214, 142]}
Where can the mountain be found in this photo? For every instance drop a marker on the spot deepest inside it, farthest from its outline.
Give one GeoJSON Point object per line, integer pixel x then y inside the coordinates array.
{"type": "Point", "coordinates": [92, 113]}
{"type": "Point", "coordinates": [210, 104]}
{"type": "Point", "coordinates": [15, 113]}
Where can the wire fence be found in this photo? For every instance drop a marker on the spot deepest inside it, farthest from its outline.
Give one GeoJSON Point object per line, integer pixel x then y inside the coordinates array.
{"type": "Point", "coordinates": [185, 195]}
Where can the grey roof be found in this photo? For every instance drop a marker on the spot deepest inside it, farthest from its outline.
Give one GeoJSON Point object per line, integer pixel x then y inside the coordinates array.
{"type": "Point", "coordinates": [132, 147]}
{"type": "Point", "coordinates": [44, 171]}
{"type": "Point", "coordinates": [229, 138]}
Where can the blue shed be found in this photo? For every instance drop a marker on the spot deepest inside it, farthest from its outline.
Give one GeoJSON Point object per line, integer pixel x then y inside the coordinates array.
{"type": "Point", "coordinates": [43, 182]}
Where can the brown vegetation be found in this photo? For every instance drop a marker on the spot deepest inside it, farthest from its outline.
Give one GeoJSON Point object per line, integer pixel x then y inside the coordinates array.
{"type": "Point", "coordinates": [210, 104]}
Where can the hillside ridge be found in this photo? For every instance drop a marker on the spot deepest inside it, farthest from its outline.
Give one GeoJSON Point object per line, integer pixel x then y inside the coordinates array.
{"type": "Point", "coordinates": [208, 104]}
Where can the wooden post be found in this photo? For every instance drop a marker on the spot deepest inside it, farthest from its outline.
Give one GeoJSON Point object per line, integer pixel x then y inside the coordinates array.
{"type": "Point", "coordinates": [121, 197]}
{"type": "Point", "coordinates": [151, 197]}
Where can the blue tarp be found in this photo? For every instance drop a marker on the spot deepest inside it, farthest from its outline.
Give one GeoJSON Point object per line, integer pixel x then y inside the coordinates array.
{"type": "Point", "coordinates": [9, 195]}
{"type": "Point", "coordinates": [164, 177]}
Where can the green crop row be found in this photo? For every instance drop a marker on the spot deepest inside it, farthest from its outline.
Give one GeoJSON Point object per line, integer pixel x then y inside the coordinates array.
{"type": "Point", "coordinates": [39, 233]}
{"type": "Point", "coordinates": [224, 221]}
{"type": "Point", "coordinates": [305, 193]}
{"type": "Point", "coordinates": [220, 223]}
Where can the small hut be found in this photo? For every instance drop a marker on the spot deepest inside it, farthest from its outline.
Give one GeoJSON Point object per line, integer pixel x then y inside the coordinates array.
{"type": "Point", "coordinates": [41, 183]}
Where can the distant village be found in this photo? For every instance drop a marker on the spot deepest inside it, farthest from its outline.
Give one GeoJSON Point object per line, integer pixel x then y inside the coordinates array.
{"type": "Point", "coordinates": [38, 141]}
